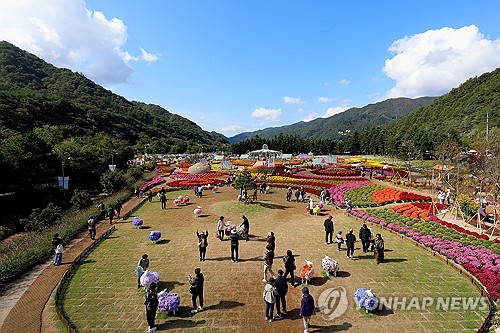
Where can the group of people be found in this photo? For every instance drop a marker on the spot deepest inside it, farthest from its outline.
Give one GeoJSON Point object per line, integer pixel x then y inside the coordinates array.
{"type": "Point", "coordinates": [444, 197]}
{"type": "Point", "coordinates": [110, 211]}
{"type": "Point", "coordinates": [365, 235]}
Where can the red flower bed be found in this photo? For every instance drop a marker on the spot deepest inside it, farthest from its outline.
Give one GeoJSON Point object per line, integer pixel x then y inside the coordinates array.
{"type": "Point", "coordinates": [389, 194]}
{"type": "Point", "coordinates": [192, 182]}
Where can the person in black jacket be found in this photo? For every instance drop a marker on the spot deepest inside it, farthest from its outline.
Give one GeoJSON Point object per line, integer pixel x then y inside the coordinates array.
{"type": "Point", "coordinates": [151, 306]}
{"type": "Point", "coordinates": [234, 245]}
{"type": "Point", "coordinates": [57, 242]}
{"type": "Point", "coordinates": [328, 229]}
{"type": "Point", "coordinates": [365, 236]}
{"type": "Point", "coordinates": [349, 240]}
{"type": "Point", "coordinates": [196, 289]}
{"type": "Point", "coordinates": [202, 243]}
{"type": "Point", "coordinates": [282, 287]}
{"type": "Point", "coordinates": [289, 262]}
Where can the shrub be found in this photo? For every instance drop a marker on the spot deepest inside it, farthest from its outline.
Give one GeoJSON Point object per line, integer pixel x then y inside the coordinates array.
{"type": "Point", "coordinates": [135, 173]}
{"type": "Point", "coordinates": [113, 181]}
{"type": "Point", "coordinates": [41, 219]}
{"type": "Point", "coordinates": [81, 199]}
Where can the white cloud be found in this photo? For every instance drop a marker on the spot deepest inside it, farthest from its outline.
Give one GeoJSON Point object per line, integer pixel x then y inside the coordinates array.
{"type": "Point", "coordinates": [273, 115]}
{"type": "Point", "coordinates": [229, 129]}
{"type": "Point", "coordinates": [148, 57]}
{"type": "Point", "coordinates": [67, 34]}
{"type": "Point", "coordinates": [433, 62]}
{"type": "Point", "coordinates": [345, 82]}
{"type": "Point", "coordinates": [293, 100]}
{"type": "Point", "coordinates": [324, 99]}
{"type": "Point", "coordinates": [334, 110]}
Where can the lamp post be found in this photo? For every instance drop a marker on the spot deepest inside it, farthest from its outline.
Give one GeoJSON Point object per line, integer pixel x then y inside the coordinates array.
{"type": "Point", "coordinates": [64, 157]}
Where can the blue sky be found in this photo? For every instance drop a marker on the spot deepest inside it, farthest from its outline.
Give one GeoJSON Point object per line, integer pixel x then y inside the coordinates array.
{"type": "Point", "coordinates": [235, 66]}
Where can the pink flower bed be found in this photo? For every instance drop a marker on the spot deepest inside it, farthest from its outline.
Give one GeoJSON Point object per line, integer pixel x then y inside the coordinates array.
{"type": "Point", "coordinates": [484, 264]}
{"type": "Point", "coordinates": [155, 181]}
{"type": "Point", "coordinates": [337, 192]}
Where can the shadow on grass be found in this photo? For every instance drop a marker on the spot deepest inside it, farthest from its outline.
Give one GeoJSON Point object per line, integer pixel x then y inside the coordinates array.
{"type": "Point", "coordinates": [163, 241]}
{"type": "Point", "coordinates": [179, 323]}
{"type": "Point", "coordinates": [384, 312]}
{"type": "Point", "coordinates": [331, 328]}
{"type": "Point", "coordinates": [271, 206]}
{"type": "Point", "coordinates": [394, 260]}
{"type": "Point", "coordinates": [204, 215]}
{"type": "Point", "coordinates": [145, 227]}
{"type": "Point", "coordinates": [87, 261]}
{"type": "Point", "coordinates": [318, 280]}
{"type": "Point", "coordinates": [112, 237]}
{"type": "Point", "coordinates": [220, 259]}
{"type": "Point", "coordinates": [224, 305]}
{"type": "Point", "coordinates": [169, 285]}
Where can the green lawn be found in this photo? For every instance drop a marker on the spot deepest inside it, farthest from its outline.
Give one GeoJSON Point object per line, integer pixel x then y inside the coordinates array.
{"type": "Point", "coordinates": [102, 295]}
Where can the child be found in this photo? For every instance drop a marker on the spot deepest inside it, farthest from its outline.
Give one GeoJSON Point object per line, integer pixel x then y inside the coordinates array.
{"type": "Point", "coordinates": [339, 239]}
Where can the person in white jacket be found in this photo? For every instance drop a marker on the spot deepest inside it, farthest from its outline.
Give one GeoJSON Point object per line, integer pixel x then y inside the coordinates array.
{"type": "Point", "coordinates": [221, 227]}
{"type": "Point", "coordinates": [269, 295]}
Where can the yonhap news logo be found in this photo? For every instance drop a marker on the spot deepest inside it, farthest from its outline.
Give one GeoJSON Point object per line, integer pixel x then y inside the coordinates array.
{"type": "Point", "coordinates": [332, 302]}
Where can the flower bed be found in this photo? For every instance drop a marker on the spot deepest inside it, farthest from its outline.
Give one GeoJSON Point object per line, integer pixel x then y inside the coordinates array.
{"type": "Point", "coordinates": [418, 209]}
{"type": "Point", "coordinates": [244, 163]}
{"type": "Point", "coordinates": [190, 176]}
{"type": "Point", "coordinates": [153, 182]}
{"type": "Point", "coordinates": [337, 192]}
{"type": "Point", "coordinates": [363, 196]}
{"type": "Point", "coordinates": [480, 257]}
{"type": "Point", "coordinates": [188, 183]}
{"type": "Point", "coordinates": [388, 195]}
{"type": "Point", "coordinates": [337, 172]}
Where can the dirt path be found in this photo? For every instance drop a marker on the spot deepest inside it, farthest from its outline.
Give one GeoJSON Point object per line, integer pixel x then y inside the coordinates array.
{"type": "Point", "coordinates": [22, 305]}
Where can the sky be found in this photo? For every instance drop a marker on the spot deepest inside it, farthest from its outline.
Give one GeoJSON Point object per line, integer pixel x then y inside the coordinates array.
{"type": "Point", "coordinates": [237, 66]}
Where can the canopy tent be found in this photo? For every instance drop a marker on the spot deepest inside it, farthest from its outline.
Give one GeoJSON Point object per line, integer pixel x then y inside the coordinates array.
{"type": "Point", "coordinates": [265, 152]}
{"type": "Point", "coordinates": [302, 156]}
{"type": "Point", "coordinates": [319, 161]}
{"type": "Point", "coordinates": [244, 157]}
{"type": "Point", "coordinates": [286, 156]}
{"type": "Point", "coordinates": [225, 165]}
{"type": "Point", "coordinates": [218, 157]}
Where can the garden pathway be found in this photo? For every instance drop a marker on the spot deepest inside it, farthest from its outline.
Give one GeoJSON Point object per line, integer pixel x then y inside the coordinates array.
{"type": "Point", "coordinates": [22, 305]}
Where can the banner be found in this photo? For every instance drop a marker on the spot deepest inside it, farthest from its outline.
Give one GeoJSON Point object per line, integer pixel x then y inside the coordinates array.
{"type": "Point", "coordinates": [63, 184]}
{"type": "Point", "coordinates": [112, 167]}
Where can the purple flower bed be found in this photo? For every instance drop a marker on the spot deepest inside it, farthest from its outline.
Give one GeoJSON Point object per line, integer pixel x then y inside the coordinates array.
{"type": "Point", "coordinates": [483, 263]}
{"type": "Point", "coordinates": [337, 192]}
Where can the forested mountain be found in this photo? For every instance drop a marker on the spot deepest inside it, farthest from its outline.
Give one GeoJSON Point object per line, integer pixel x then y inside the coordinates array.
{"type": "Point", "coordinates": [459, 115]}
{"type": "Point", "coordinates": [34, 93]}
{"type": "Point", "coordinates": [354, 119]}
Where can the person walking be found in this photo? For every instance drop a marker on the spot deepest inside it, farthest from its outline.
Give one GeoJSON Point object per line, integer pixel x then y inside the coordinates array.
{"type": "Point", "coordinates": [340, 239]}
{"type": "Point", "coordinates": [57, 242]}
{"type": "Point", "coordinates": [234, 245]}
{"type": "Point", "coordinates": [328, 229]}
{"type": "Point", "coordinates": [118, 208]}
{"type": "Point", "coordinates": [306, 308]}
{"type": "Point", "coordinates": [221, 228]}
{"type": "Point", "coordinates": [196, 289]}
{"type": "Point", "coordinates": [202, 243]}
{"type": "Point", "coordinates": [282, 288]}
{"type": "Point", "coordinates": [142, 266]}
{"type": "Point", "coordinates": [151, 303]}
{"type": "Point", "coordinates": [297, 195]}
{"type": "Point", "coordinates": [150, 196]}
{"type": "Point", "coordinates": [271, 240]}
{"type": "Point", "coordinates": [289, 194]}
{"type": "Point", "coordinates": [289, 262]}
{"type": "Point", "coordinates": [268, 263]}
{"type": "Point", "coordinates": [102, 210]}
{"type": "Point", "coordinates": [163, 200]}
{"type": "Point", "coordinates": [246, 226]}
{"type": "Point", "coordinates": [379, 248]}
{"type": "Point", "coordinates": [349, 240]}
{"type": "Point", "coordinates": [91, 227]}
{"type": "Point", "coordinates": [365, 236]}
{"type": "Point", "coordinates": [110, 212]}
{"type": "Point", "coordinates": [269, 296]}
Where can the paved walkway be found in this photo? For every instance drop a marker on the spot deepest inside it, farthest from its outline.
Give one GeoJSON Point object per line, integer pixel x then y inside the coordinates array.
{"type": "Point", "coordinates": [26, 314]}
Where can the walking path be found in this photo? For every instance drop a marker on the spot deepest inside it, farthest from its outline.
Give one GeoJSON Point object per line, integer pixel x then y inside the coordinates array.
{"type": "Point", "coordinates": [21, 310]}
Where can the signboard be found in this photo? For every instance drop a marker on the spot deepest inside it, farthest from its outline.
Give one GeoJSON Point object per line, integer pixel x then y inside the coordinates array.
{"type": "Point", "coordinates": [112, 167]}
{"type": "Point", "coordinates": [63, 184]}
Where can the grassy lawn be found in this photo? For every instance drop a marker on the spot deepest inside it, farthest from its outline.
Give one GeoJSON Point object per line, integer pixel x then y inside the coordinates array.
{"type": "Point", "coordinates": [102, 295]}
